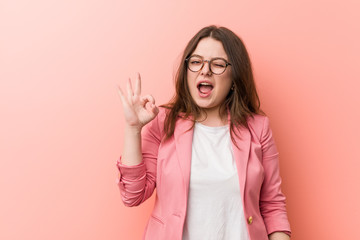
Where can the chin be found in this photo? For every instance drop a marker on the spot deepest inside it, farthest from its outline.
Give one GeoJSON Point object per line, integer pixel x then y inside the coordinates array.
{"type": "Point", "coordinates": [205, 106]}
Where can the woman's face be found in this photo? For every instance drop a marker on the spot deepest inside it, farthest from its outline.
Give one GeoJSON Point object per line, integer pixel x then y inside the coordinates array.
{"type": "Point", "coordinates": [207, 89]}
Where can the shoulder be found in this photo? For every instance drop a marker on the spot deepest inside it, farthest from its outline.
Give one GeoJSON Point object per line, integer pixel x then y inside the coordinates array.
{"type": "Point", "coordinates": [259, 125]}
{"type": "Point", "coordinates": [160, 118]}
{"type": "Point", "coordinates": [257, 121]}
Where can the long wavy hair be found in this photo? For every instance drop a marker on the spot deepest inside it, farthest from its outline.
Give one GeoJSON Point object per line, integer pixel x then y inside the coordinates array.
{"type": "Point", "coordinates": [241, 102]}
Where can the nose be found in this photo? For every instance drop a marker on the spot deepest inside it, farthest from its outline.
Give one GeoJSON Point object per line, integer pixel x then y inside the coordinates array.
{"type": "Point", "coordinates": [206, 68]}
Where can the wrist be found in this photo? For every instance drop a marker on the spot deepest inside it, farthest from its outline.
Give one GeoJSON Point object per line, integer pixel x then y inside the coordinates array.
{"type": "Point", "coordinates": [133, 129]}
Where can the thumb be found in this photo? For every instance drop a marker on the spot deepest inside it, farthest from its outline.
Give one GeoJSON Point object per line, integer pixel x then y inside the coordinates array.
{"type": "Point", "coordinates": [154, 109]}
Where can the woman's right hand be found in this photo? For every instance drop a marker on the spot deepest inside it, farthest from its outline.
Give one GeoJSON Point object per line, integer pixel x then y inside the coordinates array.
{"type": "Point", "coordinates": [138, 110]}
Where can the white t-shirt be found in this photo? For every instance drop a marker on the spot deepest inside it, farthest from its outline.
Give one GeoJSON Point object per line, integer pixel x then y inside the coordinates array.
{"type": "Point", "coordinates": [215, 209]}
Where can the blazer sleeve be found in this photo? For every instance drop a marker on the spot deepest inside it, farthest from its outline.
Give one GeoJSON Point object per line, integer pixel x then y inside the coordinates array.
{"type": "Point", "coordinates": [137, 183]}
{"type": "Point", "coordinates": [272, 200]}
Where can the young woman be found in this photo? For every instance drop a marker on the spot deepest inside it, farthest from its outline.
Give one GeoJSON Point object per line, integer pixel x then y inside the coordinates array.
{"type": "Point", "coordinates": [209, 152]}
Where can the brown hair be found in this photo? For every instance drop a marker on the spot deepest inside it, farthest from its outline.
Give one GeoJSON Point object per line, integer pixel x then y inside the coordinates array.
{"type": "Point", "coordinates": [242, 102]}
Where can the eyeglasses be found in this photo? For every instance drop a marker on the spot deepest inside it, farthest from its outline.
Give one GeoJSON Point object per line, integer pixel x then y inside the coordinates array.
{"type": "Point", "coordinates": [216, 65]}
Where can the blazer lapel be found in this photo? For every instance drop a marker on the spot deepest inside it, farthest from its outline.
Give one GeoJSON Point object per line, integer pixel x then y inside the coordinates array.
{"type": "Point", "coordinates": [241, 154]}
{"type": "Point", "coordinates": [183, 141]}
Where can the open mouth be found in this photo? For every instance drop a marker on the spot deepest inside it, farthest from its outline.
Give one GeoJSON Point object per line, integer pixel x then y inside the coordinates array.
{"type": "Point", "coordinates": [205, 87]}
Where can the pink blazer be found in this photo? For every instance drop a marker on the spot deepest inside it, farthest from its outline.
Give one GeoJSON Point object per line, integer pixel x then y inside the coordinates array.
{"type": "Point", "coordinates": [166, 166]}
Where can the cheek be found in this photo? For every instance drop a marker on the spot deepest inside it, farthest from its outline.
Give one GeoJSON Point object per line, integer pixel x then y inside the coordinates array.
{"type": "Point", "coordinates": [226, 80]}
{"type": "Point", "coordinates": [191, 80]}
{"type": "Point", "coordinates": [224, 91]}
{"type": "Point", "coordinates": [190, 75]}
{"type": "Point", "coordinates": [225, 86]}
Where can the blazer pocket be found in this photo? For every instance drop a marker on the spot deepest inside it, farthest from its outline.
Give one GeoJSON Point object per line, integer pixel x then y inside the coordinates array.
{"type": "Point", "coordinates": [155, 228]}
{"type": "Point", "coordinates": [157, 219]}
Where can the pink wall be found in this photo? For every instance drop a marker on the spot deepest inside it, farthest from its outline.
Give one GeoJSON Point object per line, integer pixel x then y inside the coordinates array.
{"type": "Point", "coordinates": [61, 119]}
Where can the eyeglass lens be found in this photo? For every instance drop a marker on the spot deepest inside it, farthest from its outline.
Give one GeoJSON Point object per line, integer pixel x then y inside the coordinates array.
{"type": "Point", "coordinates": [217, 65]}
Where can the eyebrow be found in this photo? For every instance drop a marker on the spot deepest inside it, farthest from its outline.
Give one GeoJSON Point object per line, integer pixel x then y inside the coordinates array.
{"type": "Point", "coordinates": [197, 55]}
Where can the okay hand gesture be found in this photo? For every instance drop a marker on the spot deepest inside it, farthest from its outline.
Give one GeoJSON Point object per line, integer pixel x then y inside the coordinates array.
{"type": "Point", "coordinates": [138, 110]}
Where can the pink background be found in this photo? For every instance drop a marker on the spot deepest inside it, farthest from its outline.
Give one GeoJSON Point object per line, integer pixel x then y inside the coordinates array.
{"type": "Point", "coordinates": [61, 118]}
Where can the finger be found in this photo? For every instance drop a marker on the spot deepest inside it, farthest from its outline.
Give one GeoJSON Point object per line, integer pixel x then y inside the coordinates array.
{"type": "Point", "coordinates": [147, 106]}
{"type": "Point", "coordinates": [154, 109]}
{"type": "Point", "coordinates": [122, 97]}
{"type": "Point", "coordinates": [149, 98]}
{"type": "Point", "coordinates": [138, 85]}
{"type": "Point", "coordinates": [129, 89]}
{"type": "Point", "coordinates": [143, 101]}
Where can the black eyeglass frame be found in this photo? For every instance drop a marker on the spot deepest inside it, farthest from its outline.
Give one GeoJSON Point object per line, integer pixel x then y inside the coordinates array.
{"type": "Point", "coordinates": [209, 62]}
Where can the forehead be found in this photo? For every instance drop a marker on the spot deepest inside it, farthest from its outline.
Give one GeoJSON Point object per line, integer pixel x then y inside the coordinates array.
{"type": "Point", "coordinates": [210, 48]}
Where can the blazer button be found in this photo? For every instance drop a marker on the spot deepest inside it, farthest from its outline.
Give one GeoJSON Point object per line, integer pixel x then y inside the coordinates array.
{"type": "Point", "coordinates": [250, 220]}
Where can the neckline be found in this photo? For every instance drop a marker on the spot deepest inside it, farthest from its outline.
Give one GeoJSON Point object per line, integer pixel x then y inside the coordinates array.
{"type": "Point", "coordinates": [210, 127]}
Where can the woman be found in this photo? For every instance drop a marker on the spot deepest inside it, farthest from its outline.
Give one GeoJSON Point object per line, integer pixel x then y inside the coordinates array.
{"type": "Point", "coordinates": [209, 152]}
